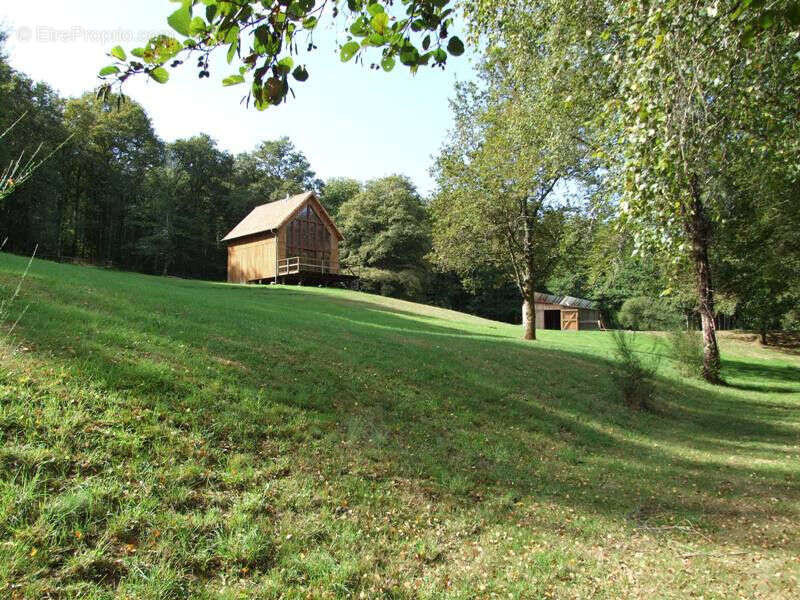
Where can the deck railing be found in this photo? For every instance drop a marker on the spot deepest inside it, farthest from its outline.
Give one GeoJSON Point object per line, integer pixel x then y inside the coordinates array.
{"type": "Point", "coordinates": [298, 264]}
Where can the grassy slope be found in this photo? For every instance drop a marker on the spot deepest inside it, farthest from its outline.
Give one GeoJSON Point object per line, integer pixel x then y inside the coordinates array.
{"type": "Point", "coordinates": [173, 439]}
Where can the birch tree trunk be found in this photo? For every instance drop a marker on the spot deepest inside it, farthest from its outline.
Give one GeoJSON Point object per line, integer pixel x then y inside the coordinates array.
{"type": "Point", "coordinates": [528, 285]}
{"type": "Point", "coordinates": [699, 230]}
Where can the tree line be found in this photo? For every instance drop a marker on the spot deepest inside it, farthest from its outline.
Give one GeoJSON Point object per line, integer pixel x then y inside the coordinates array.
{"type": "Point", "coordinates": [572, 167]}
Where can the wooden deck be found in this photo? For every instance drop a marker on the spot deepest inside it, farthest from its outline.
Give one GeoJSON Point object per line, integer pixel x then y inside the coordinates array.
{"type": "Point", "coordinates": [299, 271]}
{"type": "Point", "coordinates": [296, 265]}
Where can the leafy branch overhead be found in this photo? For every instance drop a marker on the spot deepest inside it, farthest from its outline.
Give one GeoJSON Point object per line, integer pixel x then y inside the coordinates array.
{"type": "Point", "coordinates": [262, 39]}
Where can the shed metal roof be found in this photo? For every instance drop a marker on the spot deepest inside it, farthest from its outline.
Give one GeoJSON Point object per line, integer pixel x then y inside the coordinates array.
{"type": "Point", "coordinates": [568, 301]}
{"type": "Point", "coordinates": [273, 215]}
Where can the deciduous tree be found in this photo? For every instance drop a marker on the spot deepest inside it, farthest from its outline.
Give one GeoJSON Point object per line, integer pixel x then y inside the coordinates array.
{"type": "Point", "coordinates": [274, 170]}
{"type": "Point", "coordinates": [516, 145]}
{"type": "Point", "coordinates": [387, 236]}
{"type": "Point", "coordinates": [337, 191]}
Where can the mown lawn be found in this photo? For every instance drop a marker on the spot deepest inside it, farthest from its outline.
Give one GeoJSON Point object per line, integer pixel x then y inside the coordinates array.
{"type": "Point", "coordinates": [164, 438]}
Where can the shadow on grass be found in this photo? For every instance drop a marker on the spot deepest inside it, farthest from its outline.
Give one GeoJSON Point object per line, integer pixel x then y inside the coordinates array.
{"type": "Point", "coordinates": [764, 389]}
{"type": "Point", "coordinates": [342, 307]}
{"type": "Point", "coordinates": [762, 372]}
{"type": "Point", "coordinates": [469, 415]}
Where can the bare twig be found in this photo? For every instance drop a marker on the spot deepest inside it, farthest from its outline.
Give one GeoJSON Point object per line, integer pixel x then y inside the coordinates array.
{"type": "Point", "coordinates": [715, 554]}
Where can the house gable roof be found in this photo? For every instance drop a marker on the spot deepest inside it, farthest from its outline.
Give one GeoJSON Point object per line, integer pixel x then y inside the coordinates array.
{"type": "Point", "coordinates": [274, 215]}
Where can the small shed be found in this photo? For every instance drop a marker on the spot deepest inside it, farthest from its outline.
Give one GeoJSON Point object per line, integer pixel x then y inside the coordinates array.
{"type": "Point", "coordinates": [566, 313]}
{"type": "Point", "coordinates": [289, 240]}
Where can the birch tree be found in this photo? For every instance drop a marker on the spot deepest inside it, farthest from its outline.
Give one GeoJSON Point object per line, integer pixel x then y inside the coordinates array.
{"type": "Point", "coordinates": [695, 96]}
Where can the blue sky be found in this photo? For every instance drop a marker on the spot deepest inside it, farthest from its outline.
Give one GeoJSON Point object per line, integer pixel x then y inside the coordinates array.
{"type": "Point", "coordinates": [348, 120]}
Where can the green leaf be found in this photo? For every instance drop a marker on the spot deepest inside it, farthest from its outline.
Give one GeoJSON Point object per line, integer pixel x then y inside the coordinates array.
{"type": "Point", "coordinates": [455, 46]}
{"type": "Point", "coordinates": [163, 49]}
{"type": "Point", "coordinates": [160, 74]}
{"type": "Point", "coordinates": [181, 20]}
{"type": "Point", "coordinates": [232, 51]}
{"type": "Point", "coordinates": [263, 43]}
{"type": "Point", "coordinates": [198, 25]}
{"type": "Point", "coordinates": [388, 63]}
{"type": "Point", "coordinates": [374, 39]}
{"type": "Point", "coordinates": [138, 52]}
{"type": "Point", "coordinates": [409, 56]}
{"type": "Point", "coordinates": [109, 70]}
{"type": "Point", "coordinates": [360, 27]}
{"type": "Point", "coordinates": [766, 20]}
{"type": "Point", "coordinates": [375, 9]}
{"type": "Point", "coordinates": [232, 34]}
{"type": "Point", "coordinates": [118, 52]}
{"type": "Point", "coordinates": [310, 23]}
{"type": "Point", "coordinates": [285, 64]}
{"type": "Point", "coordinates": [379, 22]}
{"type": "Point", "coordinates": [294, 11]}
{"type": "Point", "coordinates": [349, 51]}
{"type": "Point", "coordinates": [233, 80]}
{"type": "Point", "coordinates": [211, 12]}
{"type": "Point", "coordinates": [275, 89]}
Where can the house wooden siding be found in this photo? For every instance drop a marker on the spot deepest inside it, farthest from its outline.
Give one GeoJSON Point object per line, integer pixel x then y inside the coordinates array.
{"type": "Point", "coordinates": [252, 258]}
{"type": "Point", "coordinates": [329, 245]}
{"type": "Point", "coordinates": [285, 229]}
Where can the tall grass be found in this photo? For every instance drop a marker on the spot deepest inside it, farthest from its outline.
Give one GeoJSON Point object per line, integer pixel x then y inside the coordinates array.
{"type": "Point", "coordinates": [7, 304]}
{"type": "Point", "coordinates": [685, 348]}
{"type": "Point", "coordinates": [19, 170]}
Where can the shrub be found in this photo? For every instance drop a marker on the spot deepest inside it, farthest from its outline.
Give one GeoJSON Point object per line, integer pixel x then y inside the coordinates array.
{"type": "Point", "coordinates": [633, 377]}
{"type": "Point", "coordinates": [791, 320]}
{"type": "Point", "coordinates": [647, 314]}
{"type": "Point", "coordinates": [406, 284]}
{"type": "Point", "coordinates": [685, 348]}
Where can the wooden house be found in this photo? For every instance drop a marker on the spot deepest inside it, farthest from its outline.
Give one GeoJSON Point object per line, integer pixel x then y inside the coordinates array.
{"type": "Point", "coordinates": [566, 313]}
{"type": "Point", "coordinates": [291, 240]}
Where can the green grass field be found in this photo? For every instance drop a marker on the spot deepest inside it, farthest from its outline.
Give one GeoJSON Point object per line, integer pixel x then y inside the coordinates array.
{"type": "Point", "coordinates": [164, 438]}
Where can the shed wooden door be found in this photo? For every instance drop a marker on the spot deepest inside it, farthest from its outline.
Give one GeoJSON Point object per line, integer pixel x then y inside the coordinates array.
{"type": "Point", "coordinates": [569, 319]}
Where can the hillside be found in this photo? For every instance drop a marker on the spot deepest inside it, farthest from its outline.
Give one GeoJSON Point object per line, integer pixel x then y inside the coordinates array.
{"type": "Point", "coordinates": [164, 438]}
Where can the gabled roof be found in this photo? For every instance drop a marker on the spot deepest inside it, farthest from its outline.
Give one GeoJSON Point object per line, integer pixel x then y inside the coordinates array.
{"type": "Point", "coordinates": [568, 301]}
{"type": "Point", "coordinates": [274, 215]}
